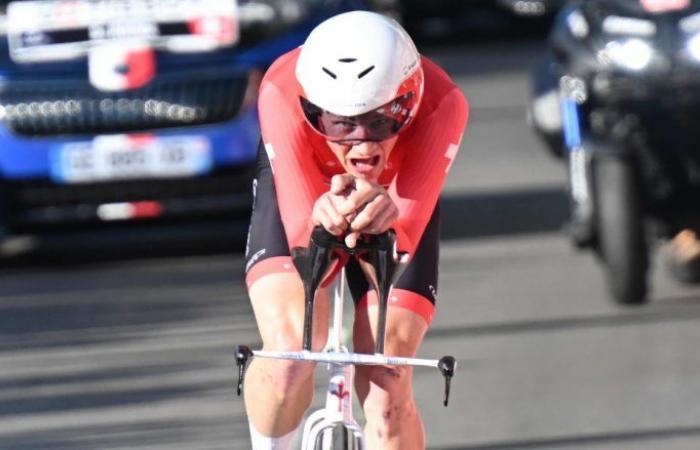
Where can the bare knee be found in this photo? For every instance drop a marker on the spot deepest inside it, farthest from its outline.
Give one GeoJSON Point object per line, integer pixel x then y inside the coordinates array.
{"type": "Point", "coordinates": [287, 377]}
{"type": "Point", "coordinates": [387, 398]}
{"type": "Point", "coordinates": [278, 304]}
{"type": "Point", "coordinates": [284, 379]}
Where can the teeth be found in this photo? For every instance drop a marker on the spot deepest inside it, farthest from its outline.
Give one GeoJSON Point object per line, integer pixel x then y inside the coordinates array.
{"type": "Point", "coordinates": [371, 160]}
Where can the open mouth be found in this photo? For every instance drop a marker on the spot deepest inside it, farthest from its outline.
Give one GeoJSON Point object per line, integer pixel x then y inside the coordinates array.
{"type": "Point", "coordinates": [364, 164]}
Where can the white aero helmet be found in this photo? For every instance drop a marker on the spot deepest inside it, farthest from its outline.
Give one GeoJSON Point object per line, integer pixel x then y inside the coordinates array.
{"type": "Point", "coordinates": [357, 63]}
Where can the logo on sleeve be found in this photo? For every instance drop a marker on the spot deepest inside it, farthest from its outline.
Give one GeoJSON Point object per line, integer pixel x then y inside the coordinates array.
{"type": "Point", "coordinates": [450, 154]}
{"type": "Point", "coordinates": [253, 259]}
{"type": "Point", "coordinates": [270, 150]}
{"type": "Point", "coordinates": [433, 291]}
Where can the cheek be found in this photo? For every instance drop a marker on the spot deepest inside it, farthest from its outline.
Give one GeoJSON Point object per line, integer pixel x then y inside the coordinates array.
{"type": "Point", "coordinates": [338, 150]}
{"type": "Point", "coordinates": [389, 144]}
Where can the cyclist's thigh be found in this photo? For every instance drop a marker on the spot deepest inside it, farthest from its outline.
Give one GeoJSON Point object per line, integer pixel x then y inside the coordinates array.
{"type": "Point", "coordinates": [274, 286]}
{"type": "Point", "coordinates": [266, 236]}
{"type": "Point", "coordinates": [278, 305]}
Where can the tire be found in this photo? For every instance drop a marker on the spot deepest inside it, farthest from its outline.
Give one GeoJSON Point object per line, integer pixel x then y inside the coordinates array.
{"type": "Point", "coordinates": [620, 229]}
{"type": "Point", "coordinates": [340, 438]}
{"type": "Point", "coordinates": [339, 441]}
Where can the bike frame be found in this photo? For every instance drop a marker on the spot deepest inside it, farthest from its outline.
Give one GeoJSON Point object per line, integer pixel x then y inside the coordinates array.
{"type": "Point", "coordinates": [339, 394]}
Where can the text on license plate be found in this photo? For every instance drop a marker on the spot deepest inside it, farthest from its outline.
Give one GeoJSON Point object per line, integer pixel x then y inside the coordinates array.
{"type": "Point", "coordinates": [121, 157]}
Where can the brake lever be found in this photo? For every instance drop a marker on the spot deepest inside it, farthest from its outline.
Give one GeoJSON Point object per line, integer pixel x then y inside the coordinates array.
{"type": "Point", "coordinates": [447, 365]}
{"type": "Point", "coordinates": [243, 354]}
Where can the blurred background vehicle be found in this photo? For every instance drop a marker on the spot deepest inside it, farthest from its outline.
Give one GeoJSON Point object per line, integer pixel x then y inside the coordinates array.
{"type": "Point", "coordinates": [616, 97]}
{"type": "Point", "coordinates": [133, 110]}
{"type": "Point", "coordinates": [441, 17]}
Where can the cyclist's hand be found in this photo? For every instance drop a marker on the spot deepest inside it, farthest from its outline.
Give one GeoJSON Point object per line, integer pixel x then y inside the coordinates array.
{"type": "Point", "coordinates": [325, 213]}
{"type": "Point", "coordinates": [369, 210]}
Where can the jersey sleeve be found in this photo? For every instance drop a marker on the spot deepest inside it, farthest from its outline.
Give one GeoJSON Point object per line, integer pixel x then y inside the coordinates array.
{"type": "Point", "coordinates": [298, 180]}
{"type": "Point", "coordinates": [417, 186]}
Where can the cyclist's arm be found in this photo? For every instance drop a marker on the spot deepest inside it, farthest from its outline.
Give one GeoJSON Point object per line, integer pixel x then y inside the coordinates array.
{"type": "Point", "coordinates": [298, 180]}
{"type": "Point", "coordinates": [417, 186]}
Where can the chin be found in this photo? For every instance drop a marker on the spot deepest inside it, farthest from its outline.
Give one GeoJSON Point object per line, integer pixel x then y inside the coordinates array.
{"type": "Point", "coordinates": [369, 176]}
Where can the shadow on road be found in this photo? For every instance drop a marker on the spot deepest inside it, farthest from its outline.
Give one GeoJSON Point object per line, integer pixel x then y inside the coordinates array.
{"type": "Point", "coordinates": [469, 215]}
{"type": "Point", "coordinates": [106, 245]}
{"type": "Point", "coordinates": [604, 439]}
{"type": "Point", "coordinates": [675, 310]}
{"type": "Point", "coordinates": [122, 354]}
{"type": "Point", "coordinates": [171, 434]}
{"type": "Point", "coordinates": [503, 213]}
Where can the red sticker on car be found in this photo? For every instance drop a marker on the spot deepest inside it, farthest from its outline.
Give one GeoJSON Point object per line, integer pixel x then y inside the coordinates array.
{"type": "Point", "coordinates": [222, 29]}
{"type": "Point", "coordinates": [119, 67]}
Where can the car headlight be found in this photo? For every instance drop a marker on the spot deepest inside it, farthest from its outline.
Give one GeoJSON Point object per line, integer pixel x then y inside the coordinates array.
{"type": "Point", "coordinates": [693, 47]}
{"type": "Point", "coordinates": [630, 54]}
{"type": "Point", "coordinates": [628, 26]}
{"type": "Point", "coordinates": [578, 25]}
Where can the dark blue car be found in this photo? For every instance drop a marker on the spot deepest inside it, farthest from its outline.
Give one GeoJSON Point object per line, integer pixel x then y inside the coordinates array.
{"type": "Point", "coordinates": [119, 110]}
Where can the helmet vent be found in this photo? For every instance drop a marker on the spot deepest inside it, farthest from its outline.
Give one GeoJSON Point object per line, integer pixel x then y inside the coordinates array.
{"type": "Point", "coordinates": [365, 72]}
{"type": "Point", "coordinates": [347, 60]}
{"type": "Point", "coordinates": [330, 74]}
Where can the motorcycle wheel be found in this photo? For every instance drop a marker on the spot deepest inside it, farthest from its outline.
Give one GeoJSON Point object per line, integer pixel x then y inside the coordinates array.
{"type": "Point", "coordinates": [621, 232]}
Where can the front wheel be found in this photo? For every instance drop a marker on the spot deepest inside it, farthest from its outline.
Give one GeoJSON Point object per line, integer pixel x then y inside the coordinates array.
{"type": "Point", "coordinates": [339, 439]}
{"type": "Point", "coordinates": [620, 228]}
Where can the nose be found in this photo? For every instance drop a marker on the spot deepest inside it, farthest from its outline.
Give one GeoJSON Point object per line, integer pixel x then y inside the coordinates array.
{"type": "Point", "coordinates": [361, 149]}
{"type": "Point", "coordinates": [360, 133]}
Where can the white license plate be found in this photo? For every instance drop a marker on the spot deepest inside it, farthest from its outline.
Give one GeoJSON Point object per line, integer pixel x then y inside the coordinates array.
{"type": "Point", "coordinates": [50, 30]}
{"type": "Point", "coordinates": [122, 157]}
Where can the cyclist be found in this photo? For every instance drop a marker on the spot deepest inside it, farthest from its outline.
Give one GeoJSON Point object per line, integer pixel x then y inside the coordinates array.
{"type": "Point", "coordinates": [358, 133]}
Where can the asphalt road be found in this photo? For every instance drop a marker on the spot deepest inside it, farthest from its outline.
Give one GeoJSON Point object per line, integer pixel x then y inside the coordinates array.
{"type": "Point", "coordinates": [136, 353]}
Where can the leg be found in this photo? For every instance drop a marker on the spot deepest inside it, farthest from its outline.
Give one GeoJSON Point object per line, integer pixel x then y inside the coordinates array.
{"type": "Point", "coordinates": [386, 393]}
{"type": "Point", "coordinates": [277, 393]}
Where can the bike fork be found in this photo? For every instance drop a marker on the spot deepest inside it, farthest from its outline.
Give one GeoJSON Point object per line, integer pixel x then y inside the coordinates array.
{"type": "Point", "coordinates": [338, 411]}
{"type": "Point", "coordinates": [573, 95]}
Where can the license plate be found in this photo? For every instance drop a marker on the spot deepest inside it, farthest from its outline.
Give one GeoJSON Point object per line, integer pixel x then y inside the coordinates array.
{"type": "Point", "coordinates": [51, 30]}
{"type": "Point", "coordinates": [122, 157]}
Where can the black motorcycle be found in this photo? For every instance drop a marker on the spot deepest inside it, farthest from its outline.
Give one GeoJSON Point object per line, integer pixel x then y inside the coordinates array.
{"type": "Point", "coordinates": [618, 97]}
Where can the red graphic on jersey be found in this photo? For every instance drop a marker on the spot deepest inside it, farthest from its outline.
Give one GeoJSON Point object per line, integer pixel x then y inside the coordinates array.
{"type": "Point", "coordinates": [341, 393]}
{"type": "Point", "coordinates": [657, 6]}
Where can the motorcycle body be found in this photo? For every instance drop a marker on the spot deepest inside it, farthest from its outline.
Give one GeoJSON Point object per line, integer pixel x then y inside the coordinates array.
{"type": "Point", "coordinates": [618, 98]}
